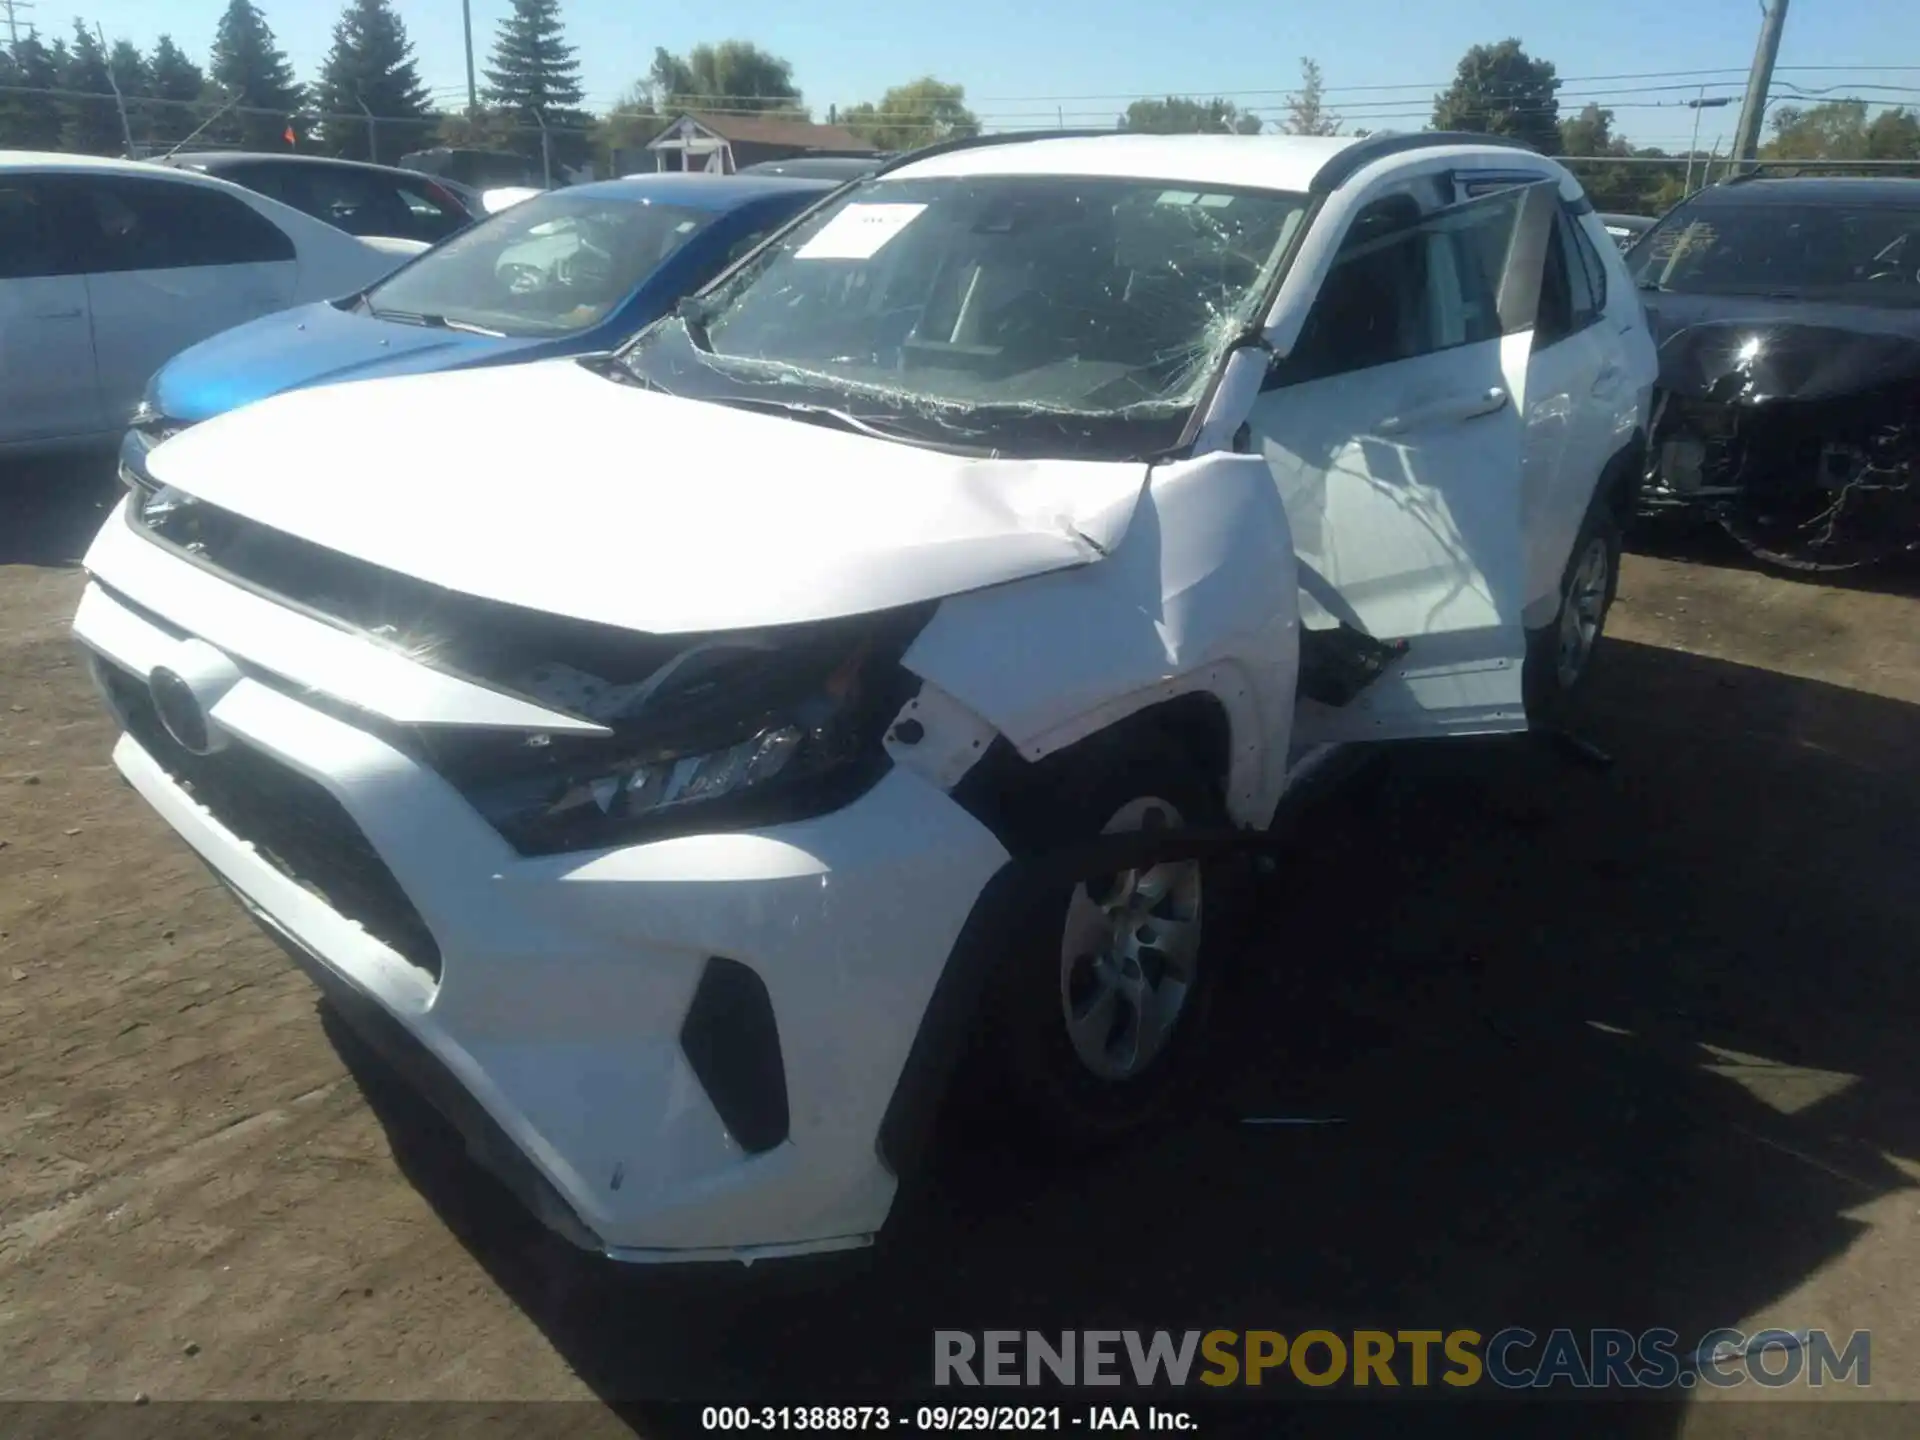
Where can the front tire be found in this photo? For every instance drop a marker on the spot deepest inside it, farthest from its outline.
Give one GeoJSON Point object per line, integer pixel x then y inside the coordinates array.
{"type": "Point", "coordinates": [1108, 981]}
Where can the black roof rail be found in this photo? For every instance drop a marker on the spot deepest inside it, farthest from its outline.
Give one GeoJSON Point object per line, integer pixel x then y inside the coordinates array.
{"type": "Point", "coordinates": [1350, 161]}
{"type": "Point", "coordinates": [974, 142]}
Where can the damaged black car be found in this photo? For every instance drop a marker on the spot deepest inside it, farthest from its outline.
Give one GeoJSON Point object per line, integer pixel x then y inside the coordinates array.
{"type": "Point", "coordinates": [1788, 318]}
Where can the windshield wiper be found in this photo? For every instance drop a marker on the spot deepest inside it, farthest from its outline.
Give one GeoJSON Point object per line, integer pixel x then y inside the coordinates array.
{"type": "Point", "coordinates": [433, 322]}
{"type": "Point", "coordinates": [843, 420]}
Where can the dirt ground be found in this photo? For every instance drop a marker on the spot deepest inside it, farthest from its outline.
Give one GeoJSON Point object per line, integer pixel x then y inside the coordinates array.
{"type": "Point", "coordinates": [1628, 1046]}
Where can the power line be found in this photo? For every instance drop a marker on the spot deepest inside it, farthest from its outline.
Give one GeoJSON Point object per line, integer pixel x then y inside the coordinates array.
{"type": "Point", "coordinates": [13, 7]}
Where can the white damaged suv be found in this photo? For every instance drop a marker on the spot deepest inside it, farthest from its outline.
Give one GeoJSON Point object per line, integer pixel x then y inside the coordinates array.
{"type": "Point", "coordinates": [673, 756]}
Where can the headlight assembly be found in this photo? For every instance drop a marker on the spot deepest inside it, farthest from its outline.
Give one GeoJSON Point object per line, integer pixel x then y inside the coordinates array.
{"type": "Point", "coordinates": [725, 735]}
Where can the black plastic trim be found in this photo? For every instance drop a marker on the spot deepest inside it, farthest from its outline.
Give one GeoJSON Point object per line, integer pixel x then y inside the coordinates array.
{"type": "Point", "coordinates": [1356, 157]}
{"type": "Point", "coordinates": [732, 1040]}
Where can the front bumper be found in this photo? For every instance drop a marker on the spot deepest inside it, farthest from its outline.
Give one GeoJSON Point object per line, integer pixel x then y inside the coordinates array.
{"type": "Point", "coordinates": [554, 994]}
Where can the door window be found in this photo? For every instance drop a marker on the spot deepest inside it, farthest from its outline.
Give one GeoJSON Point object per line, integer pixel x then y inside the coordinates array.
{"type": "Point", "coordinates": [29, 244]}
{"type": "Point", "coordinates": [1404, 285]}
{"type": "Point", "coordinates": [137, 224]}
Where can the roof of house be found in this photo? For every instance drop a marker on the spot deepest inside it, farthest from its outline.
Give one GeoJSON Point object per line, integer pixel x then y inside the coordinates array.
{"type": "Point", "coordinates": [773, 130]}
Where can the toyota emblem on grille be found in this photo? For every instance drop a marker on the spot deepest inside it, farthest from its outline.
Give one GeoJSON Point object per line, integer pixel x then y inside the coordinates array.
{"type": "Point", "coordinates": [185, 692]}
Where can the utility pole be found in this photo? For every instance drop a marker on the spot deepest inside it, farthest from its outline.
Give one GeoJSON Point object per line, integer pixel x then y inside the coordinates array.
{"type": "Point", "coordinates": [473, 92]}
{"type": "Point", "coordinates": [119, 100]}
{"type": "Point", "coordinates": [13, 8]}
{"type": "Point", "coordinates": [373, 127]}
{"type": "Point", "coordinates": [1746, 140]}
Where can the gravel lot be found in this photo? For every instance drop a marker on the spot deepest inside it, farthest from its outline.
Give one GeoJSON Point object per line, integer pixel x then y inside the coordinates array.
{"type": "Point", "coordinates": [1626, 1047]}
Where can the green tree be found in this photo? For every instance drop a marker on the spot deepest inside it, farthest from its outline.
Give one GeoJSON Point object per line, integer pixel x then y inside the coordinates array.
{"type": "Point", "coordinates": [921, 112]}
{"type": "Point", "coordinates": [253, 71]}
{"type": "Point", "coordinates": [1894, 135]}
{"type": "Point", "coordinates": [1182, 115]}
{"type": "Point", "coordinates": [30, 120]}
{"type": "Point", "coordinates": [371, 65]}
{"type": "Point", "coordinates": [534, 77]}
{"type": "Point", "coordinates": [174, 85]}
{"type": "Point", "coordinates": [91, 121]}
{"type": "Point", "coordinates": [733, 75]}
{"type": "Point", "coordinates": [628, 127]}
{"type": "Point", "coordinates": [1307, 113]}
{"type": "Point", "coordinates": [1840, 130]}
{"type": "Point", "coordinates": [1501, 90]}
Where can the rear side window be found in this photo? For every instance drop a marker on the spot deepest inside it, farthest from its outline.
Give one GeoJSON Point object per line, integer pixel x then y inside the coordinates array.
{"type": "Point", "coordinates": [138, 224]}
{"type": "Point", "coordinates": [1568, 300]}
{"type": "Point", "coordinates": [29, 239]}
{"type": "Point", "coordinates": [1595, 267]}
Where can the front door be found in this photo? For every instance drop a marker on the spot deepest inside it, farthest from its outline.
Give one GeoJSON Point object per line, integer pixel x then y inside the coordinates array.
{"type": "Point", "coordinates": [1394, 431]}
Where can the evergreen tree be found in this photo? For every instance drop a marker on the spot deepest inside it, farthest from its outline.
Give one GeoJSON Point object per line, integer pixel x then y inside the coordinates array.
{"type": "Point", "coordinates": [371, 64]}
{"type": "Point", "coordinates": [176, 84]}
{"type": "Point", "coordinates": [91, 119]}
{"type": "Point", "coordinates": [29, 121]}
{"type": "Point", "coordinates": [534, 75]}
{"type": "Point", "coordinates": [252, 69]}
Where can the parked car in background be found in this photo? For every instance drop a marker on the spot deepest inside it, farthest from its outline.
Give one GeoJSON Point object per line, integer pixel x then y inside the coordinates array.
{"type": "Point", "coordinates": [1626, 229]}
{"type": "Point", "coordinates": [476, 169]}
{"type": "Point", "coordinates": [1788, 316]}
{"type": "Point", "coordinates": [110, 267]}
{"type": "Point", "coordinates": [375, 202]}
{"type": "Point", "coordinates": [821, 167]}
{"type": "Point", "coordinates": [681, 753]}
{"type": "Point", "coordinates": [564, 272]}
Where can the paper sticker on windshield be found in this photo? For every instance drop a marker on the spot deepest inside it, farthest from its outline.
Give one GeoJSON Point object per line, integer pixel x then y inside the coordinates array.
{"type": "Point", "coordinates": [858, 232]}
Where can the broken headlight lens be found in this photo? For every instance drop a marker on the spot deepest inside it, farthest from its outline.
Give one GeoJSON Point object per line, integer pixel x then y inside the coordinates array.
{"type": "Point", "coordinates": [741, 736]}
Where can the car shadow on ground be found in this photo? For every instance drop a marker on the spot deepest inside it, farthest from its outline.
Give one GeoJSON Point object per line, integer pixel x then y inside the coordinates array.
{"type": "Point", "coordinates": [1500, 972]}
{"type": "Point", "coordinates": [54, 507]}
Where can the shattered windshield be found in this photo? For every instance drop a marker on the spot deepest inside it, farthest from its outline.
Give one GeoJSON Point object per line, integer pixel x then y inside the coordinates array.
{"type": "Point", "coordinates": [1018, 314]}
{"type": "Point", "coordinates": [548, 266]}
{"type": "Point", "coordinates": [1865, 254]}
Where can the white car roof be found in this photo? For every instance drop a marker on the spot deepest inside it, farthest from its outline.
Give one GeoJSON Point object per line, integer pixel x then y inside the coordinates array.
{"type": "Point", "coordinates": [1262, 162]}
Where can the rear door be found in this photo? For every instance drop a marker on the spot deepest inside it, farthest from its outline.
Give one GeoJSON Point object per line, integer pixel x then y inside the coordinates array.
{"type": "Point", "coordinates": [173, 263]}
{"type": "Point", "coordinates": [48, 389]}
{"type": "Point", "coordinates": [1394, 431]}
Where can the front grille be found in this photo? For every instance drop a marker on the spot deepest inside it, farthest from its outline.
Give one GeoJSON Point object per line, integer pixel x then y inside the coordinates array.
{"type": "Point", "coordinates": [294, 824]}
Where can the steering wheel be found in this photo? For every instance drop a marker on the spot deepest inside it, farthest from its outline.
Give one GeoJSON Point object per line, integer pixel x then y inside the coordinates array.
{"type": "Point", "coordinates": [523, 279]}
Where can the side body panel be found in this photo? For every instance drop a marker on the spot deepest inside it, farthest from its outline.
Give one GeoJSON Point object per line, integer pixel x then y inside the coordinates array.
{"type": "Point", "coordinates": [1199, 596]}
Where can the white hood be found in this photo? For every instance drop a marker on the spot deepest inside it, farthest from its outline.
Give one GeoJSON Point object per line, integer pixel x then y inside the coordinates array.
{"type": "Point", "coordinates": [550, 487]}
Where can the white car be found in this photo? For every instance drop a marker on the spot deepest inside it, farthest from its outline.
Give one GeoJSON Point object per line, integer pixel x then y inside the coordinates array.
{"type": "Point", "coordinates": [891, 648]}
{"type": "Point", "coordinates": [109, 268]}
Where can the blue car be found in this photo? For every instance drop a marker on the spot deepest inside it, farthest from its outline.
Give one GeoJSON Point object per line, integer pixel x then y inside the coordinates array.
{"type": "Point", "coordinates": [567, 272]}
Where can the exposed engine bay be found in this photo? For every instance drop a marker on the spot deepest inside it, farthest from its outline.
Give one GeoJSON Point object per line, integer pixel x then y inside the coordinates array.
{"type": "Point", "coordinates": [1802, 440]}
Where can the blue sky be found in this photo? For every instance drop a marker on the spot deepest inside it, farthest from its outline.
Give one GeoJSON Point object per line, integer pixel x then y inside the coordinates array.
{"type": "Point", "coordinates": [1026, 63]}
